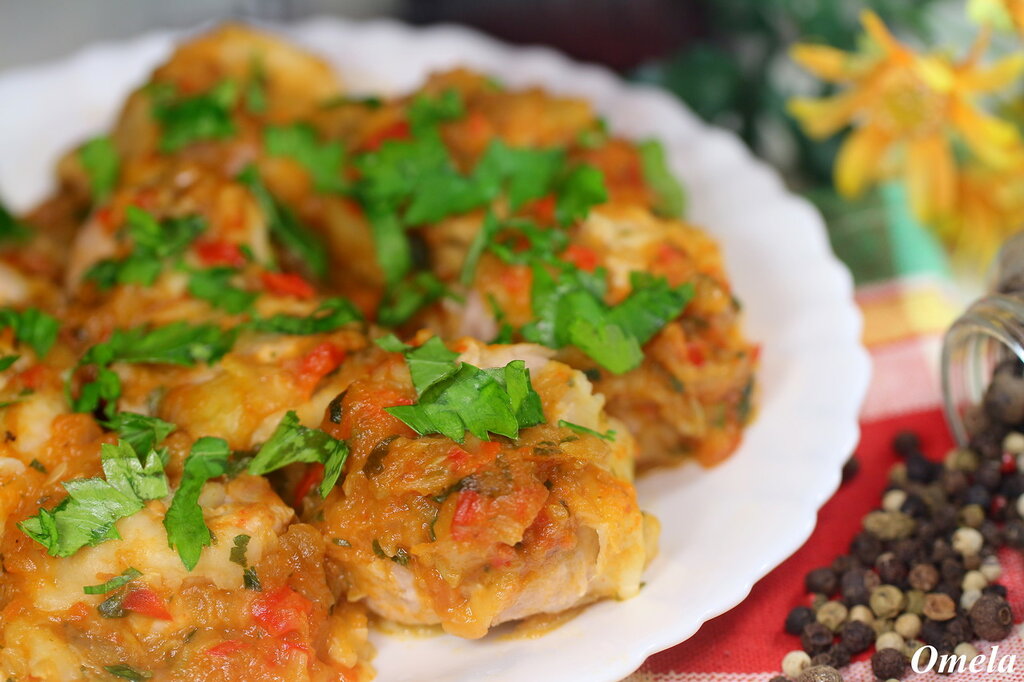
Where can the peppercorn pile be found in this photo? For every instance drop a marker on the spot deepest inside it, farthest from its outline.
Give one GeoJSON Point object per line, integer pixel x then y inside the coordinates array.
{"type": "Point", "coordinates": [924, 570]}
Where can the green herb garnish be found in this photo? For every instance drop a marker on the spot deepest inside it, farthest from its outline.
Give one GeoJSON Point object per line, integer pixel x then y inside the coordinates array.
{"type": "Point", "coordinates": [102, 166]}
{"type": "Point", "coordinates": [185, 120]}
{"type": "Point", "coordinates": [127, 672]}
{"type": "Point", "coordinates": [117, 581]}
{"type": "Point", "coordinates": [669, 197]}
{"type": "Point", "coordinates": [140, 431]}
{"type": "Point", "coordinates": [186, 528]}
{"type": "Point", "coordinates": [305, 246]}
{"type": "Point", "coordinates": [608, 435]}
{"type": "Point", "coordinates": [291, 442]}
{"type": "Point", "coordinates": [87, 516]}
{"type": "Point", "coordinates": [455, 397]}
{"type": "Point", "coordinates": [322, 160]}
{"type": "Point", "coordinates": [32, 327]}
{"type": "Point", "coordinates": [332, 314]}
{"type": "Point", "coordinates": [214, 286]}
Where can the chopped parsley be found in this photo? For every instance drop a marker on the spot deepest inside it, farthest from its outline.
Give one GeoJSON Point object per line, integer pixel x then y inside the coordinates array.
{"type": "Point", "coordinates": [186, 528]}
{"type": "Point", "coordinates": [184, 120]}
{"type": "Point", "coordinates": [455, 397]}
{"type": "Point", "coordinates": [322, 160]}
{"type": "Point", "coordinates": [582, 188]}
{"type": "Point", "coordinates": [669, 197]}
{"type": "Point", "coordinates": [409, 296]}
{"type": "Point", "coordinates": [251, 580]}
{"type": "Point", "coordinates": [400, 557]}
{"type": "Point", "coordinates": [154, 242]}
{"type": "Point", "coordinates": [32, 327]}
{"type": "Point", "coordinates": [255, 94]}
{"type": "Point", "coordinates": [214, 286]}
{"type": "Point", "coordinates": [93, 505]}
{"type": "Point", "coordinates": [608, 435]}
{"type": "Point", "coordinates": [102, 166]}
{"type": "Point", "coordinates": [117, 581]}
{"type": "Point", "coordinates": [291, 442]}
{"type": "Point", "coordinates": [127, 672]}
{"type": "Point", "coordinates": [304, 246]}
{"type": "Point", "coordinates": [179, 343]}
{"type": "Point", "coordinates": [332, 314]}
{"type": "Point", "coordinates": [37, 465]}
{"type": "Point", "coordinates": [238, 547]}
{"type": "Point", "coordinates": [570, 310]}
{"type": "Point", "coordinates": [140, 431]}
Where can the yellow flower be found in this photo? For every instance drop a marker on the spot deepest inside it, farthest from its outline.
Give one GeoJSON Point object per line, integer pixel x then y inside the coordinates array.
{"type": "Point", "coordinates": [989, 208]}
{"type": "Point", "coordinates": [905, 108]}
{"type": "Point", "coordinates": [1003, 14]}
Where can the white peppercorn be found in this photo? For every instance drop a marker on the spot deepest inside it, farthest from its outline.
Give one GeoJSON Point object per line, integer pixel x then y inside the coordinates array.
{"type": "Point", "coordinates": [886, 601]}
{"type": "Point", "coordinates": [794, 663]}
{"type": "Point", "coordinates": [893, 500]}
{"type": "Point", "coordinates": [967, 541]}
{"type": "Point", "coordinates": [862, 613]}
{"type": "Point", "coordinates": [890, 640]}
{"type": "Point", "coordinates": [908, 625]}
{"type": "Point", "coordinates": [991, 568]}
{"type": "Point", "coordinates": [968, 598]}
{"type": "Point", "coordinates": [966, 649]}
{"type": "Point", "coordinates": [973, 580]}
{"type": "Point", "coordinates": [1020, 503]}
{"type": "Point", "coordinates": [1013, 443]}
{"type": "Point", "coordinates": [832, 615]}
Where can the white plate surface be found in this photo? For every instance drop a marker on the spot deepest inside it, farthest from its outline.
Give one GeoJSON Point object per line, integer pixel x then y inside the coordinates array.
{"type": "Point", "coordinates": [722, 529]}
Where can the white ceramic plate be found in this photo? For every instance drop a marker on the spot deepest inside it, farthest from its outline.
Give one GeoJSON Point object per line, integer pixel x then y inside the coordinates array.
{"type": "Point", "coordinates": [722, 529]}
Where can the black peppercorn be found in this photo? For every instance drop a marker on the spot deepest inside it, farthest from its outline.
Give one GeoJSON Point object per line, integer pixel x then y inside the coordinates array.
{"type": "Point", "coordinates": [1013, 534]}
{"type": "Point", "coordinates": [989, 474]}
{"type": "Point", "coordinates": [798, 619]}
{"type": "Point", "coordinates": [990, 531]}
{"type": "Point", "coordinates": [989, 442]}
{"type": "Point", "coordinates": [891, 570]}
{"type": "Point", "coordinates": [960, 629]}
{"type": "Point", "coordinates": [952, 570]}
{"type": "Point", "coordinates": [942, 550]}
{"type": "Point", "coordinates": [954, 482]}
{"type": "Point", "coordinates": [906, 443]}
{"type": "Point", "coordinates": [853, 588]}
{"type": "Point", "coordinates": [927, 532]}
{"type": "Point", "coordinates": [780, 678]}
{"type": "Point", "coordinates": [991, 617]}
{"type": "Point", "coordinates": [820, 672]}
{"type": "Point", "coordinates": [816, 638]}
{"type": "Point", "coordinates": [851, 468]}
{"type": "Point", "coordinates": [888, 664]}
{"type": "Point", "coordinates": [857, 636]}
{"type": "Point", "coordinates": [996, 589]}
{"type": "Point", "coordinates": [977, 494]}
{"type": "Point", "coordinates": [843, 563]}
{"type": "Point", "coordinates": [921, 469]}
{"type": "Point", "coordinates": [821, 580]}
{"type": "Point", "coordinates": [945, 518]}
{"type": "Point", "coordinates": [915, 506]}
{"type": "Point", "coordinates": [924, 577]}
{"type": "Point", "coordinates": [1012, 486]}
{"type": "Point", "coordinates": [908, 550]}
{"type": "Point", "coordinates": [866, 547]}
{"type": "Point", "coordinates": [951, 590]}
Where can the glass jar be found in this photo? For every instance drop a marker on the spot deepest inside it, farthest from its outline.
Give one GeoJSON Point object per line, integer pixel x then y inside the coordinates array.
{"type": "Point", "coordinates": [986, 341]}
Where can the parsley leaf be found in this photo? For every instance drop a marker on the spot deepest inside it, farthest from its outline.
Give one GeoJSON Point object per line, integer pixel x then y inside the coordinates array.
{"type": "Point", "coordinates": [582, 188]}
{"type": "Point", "coordinates": [455, 397]}
{"type": "Point", "coordinates": [127, 672]}
{"type": "Point", "coordinates": [214, 286]}
{"type": "Point", "coordinates": [8, 360]}
{"type": "Point", "coordinates": [570, 310]}
{"type": "Point", "coordinates": [139, 431]}
{"type": "Point", "coordinates": [332, 314]}
{"type": "Point", "coordinates": [607, 435]}
{"type": "Point", "coordinates": [154, 241]}
{"type": "Point", "coordinates": [186, 528]}
{"type": "Point", "coordinates": [483, 237]}
{"type": "Point", "coordinates": [33, 327]}
{"type": "Point", "coordinates": [291, 442]}
{"type": "Point", "coordinates": [322, 160]}
{"type": "Point", "coordinates": [185, 120]}
{"type": "Point", "coordinates": [305, 246]}
{"type": "Point", "coordinates": [255, 95]}
{"type": "Point", "coordinates": [427, 111]}
{"type": "Point", "coordinates": [524, 174]}
{"type": "Point", "coordinates": [409, 296]}
{"type": "Point", "coordinates": [669, 197]}
{"type": "Point", "coordinates": [102, 165]}
{"type": "Point", "coordinates": [12, 229]}
{"type": "Point", "coordinates": [117, 581]}
{"type": "Point", "coordinates": [238, 548]}
{"type": "Point", "coordinates": [87, 516]}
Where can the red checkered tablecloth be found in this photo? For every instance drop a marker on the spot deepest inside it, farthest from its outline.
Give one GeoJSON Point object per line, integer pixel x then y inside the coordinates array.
{"type": "Point", "coordinates": [903, 325]}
